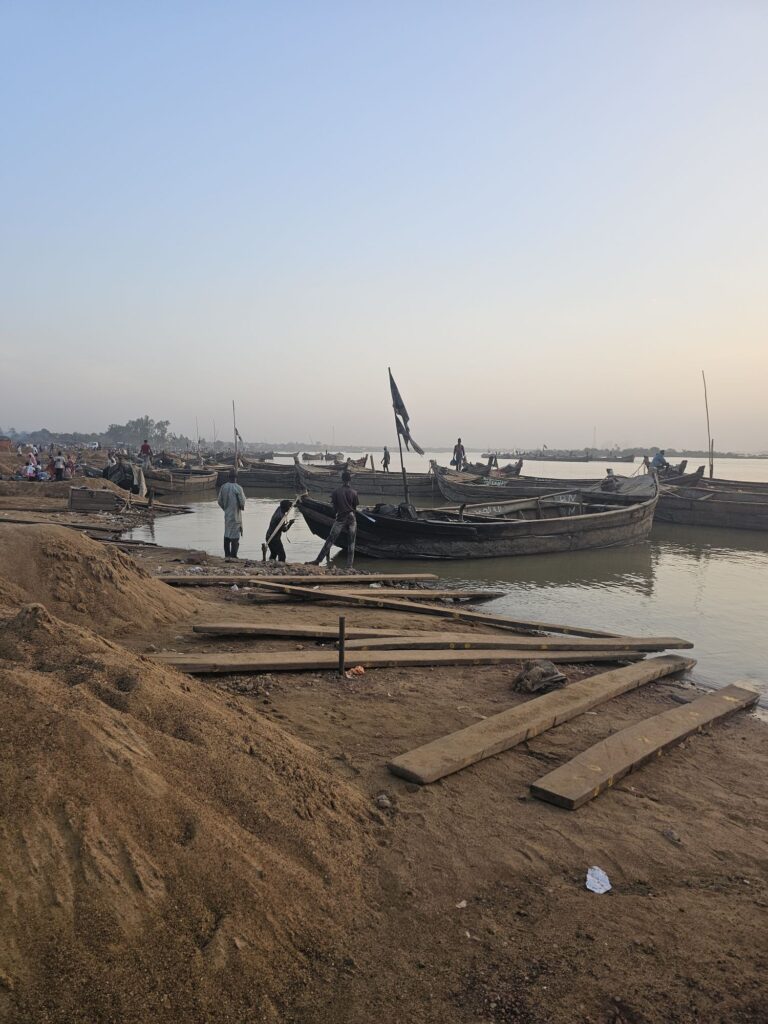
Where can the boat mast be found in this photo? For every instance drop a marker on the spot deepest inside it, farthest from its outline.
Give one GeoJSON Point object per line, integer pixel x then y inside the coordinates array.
{"type": "Point", "coordinates": [710, 446]}
{"type": "Point", "coordinates": [234, 427]}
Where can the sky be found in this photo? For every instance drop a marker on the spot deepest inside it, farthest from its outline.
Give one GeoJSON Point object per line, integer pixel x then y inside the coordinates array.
{"type": "Point", "coordinates": [546, 216]}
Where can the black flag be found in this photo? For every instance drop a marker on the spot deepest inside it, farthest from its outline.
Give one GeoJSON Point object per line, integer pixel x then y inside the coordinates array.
{"type": "Point", "coordinates": [401, 417]}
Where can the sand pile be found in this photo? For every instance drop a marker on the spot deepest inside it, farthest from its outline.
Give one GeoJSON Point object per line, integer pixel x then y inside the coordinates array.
{"type": "Point", "coordinates": [166, 854]}
{"type": "Point", "coordinates": [54, 488]}
{"type": "Point", "coordinates": [83, 581]}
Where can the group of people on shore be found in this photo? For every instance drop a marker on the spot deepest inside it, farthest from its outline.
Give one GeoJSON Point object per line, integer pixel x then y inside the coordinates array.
{"type": "Point", "coordinates": [57, 467]}
{"type": "Point", "coordinates": [344, 500]}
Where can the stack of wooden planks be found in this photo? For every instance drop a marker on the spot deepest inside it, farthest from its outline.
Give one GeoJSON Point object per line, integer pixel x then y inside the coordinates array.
{"type": "Point", "coordinates": [89, 499]}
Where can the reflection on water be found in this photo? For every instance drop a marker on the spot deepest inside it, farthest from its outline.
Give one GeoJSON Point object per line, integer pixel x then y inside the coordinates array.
{"type": "Point", "coordinates": [705, 585]}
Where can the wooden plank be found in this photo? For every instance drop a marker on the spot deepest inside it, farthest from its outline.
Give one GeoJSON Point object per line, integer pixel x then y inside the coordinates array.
{"type": "Point", "coordinates": [443, 611]}
{"type": "Point", "coordinates": [337, 595]}
{"type": "Point", "coordinates": [483, 739]}
{"type": "Point", "coordinates": [595, 770]}
{"type": "Point", "coordinates": [478, 641]}
{"type": "Point", "coordinates": [294, 631]}
{"type": "Point", "coordinates": [303, 661]}
{"type": "Point", "coordinates": [227, 579]}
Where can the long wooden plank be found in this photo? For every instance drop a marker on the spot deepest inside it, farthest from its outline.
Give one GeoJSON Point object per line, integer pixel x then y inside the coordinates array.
{"type": "Point", "coordinates": [479, 641]}
{"type": "Point", "coordinates": [308, 632]}
{"type": "Point", "coordinates": [303, 661]}
{"type": "Point", "coordinates": [443, 611]}
{"type": "Point", "coordinates": [337, 594]}
{"type": "Point", "coordinates": [483, 739]}
{"type": "Point", "coordinates": [595, 770]}
{"type": "Point", "coordinates": [227, 579]}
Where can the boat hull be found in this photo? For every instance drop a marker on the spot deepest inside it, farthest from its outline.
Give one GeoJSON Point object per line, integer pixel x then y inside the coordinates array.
{"type": "Point", "coordinates": [384, 535]}
{"type": "Point", "coordinates": [421, 486]}
{"type": "Point", "coordinates": [734, 510]}
{"type": "Point", "coordinates": [180, 483]}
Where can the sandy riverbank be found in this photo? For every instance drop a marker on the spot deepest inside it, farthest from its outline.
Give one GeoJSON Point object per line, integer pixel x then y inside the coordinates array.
{"type": "Point", "coordinates": [212, 849]}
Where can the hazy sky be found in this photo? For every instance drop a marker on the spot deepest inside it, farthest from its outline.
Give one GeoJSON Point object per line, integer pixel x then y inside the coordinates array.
{"type": "Point", "coordinates": [546, 216]}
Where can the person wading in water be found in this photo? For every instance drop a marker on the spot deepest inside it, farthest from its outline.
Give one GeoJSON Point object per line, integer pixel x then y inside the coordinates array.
{"type": "Point", "coordinates": [344, 501]}
{"type": "Point", "coordinates": [232, 500]}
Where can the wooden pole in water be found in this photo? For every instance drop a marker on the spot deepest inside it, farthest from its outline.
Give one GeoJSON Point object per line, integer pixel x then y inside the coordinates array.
{"type": "Point", "coordinates": [342, 642]}
{"type": "Point", "coordinates": [709, 434]}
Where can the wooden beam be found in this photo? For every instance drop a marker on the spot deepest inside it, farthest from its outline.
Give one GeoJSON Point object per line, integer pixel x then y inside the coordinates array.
{"type": "Point", "coordinates": [305, 661]}
{"type": "Point", "coordinates": [483, 739]}
{"type": "Point", "coordinates": [227, 579]}
{"type": "Point", "coordinates": [444, 611]}
{"type": "Point", "coordinates": [595, 770]}
{"type": "Point", "coordinates": [479, 641]}
{"type": "Point", "coordinates": [294, 631]}
{"type": "Point", "coordinates": [336, 594]}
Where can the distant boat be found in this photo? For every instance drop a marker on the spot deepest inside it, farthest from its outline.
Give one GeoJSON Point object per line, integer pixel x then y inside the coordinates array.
{"type": "Point", "coordinates": [579, 520]}
{"type": "Point", "coordinates": [180, 481]}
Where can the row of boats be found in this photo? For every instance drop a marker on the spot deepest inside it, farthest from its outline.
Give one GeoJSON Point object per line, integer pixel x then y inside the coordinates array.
{"type": "Point", "coordinates": [486, 512]}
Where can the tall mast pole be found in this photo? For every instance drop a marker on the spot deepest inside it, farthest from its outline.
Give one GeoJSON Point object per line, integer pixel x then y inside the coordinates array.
{"type": "Point", "coordinates": [709, 434]}
{"type": "Point", "coordinates": [234, 428]}
{"type": "Point", "coordinates": [402, 465]}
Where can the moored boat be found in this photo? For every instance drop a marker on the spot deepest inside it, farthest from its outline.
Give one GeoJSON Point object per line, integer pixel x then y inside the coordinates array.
{"type": "Point", "coordinates": [421, 486]}
{"type": "Point", "coordinates": [706, 506]}
{"type": "Point", "coordinates": [179, 481]}
{"type": "Point", "coordinates": [579, 520]}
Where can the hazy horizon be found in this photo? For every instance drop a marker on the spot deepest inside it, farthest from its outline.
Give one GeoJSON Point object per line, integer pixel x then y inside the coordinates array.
{"type": "Point", "coordinates": [548, 219]}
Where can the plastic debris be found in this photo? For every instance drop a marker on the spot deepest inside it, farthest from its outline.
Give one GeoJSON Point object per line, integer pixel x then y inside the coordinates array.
{"type": "Point", "coordinates": [234, 587]}
{"type": "Point", "coordinates": [598, 881]}
{"type": "Point", "coordinates": [353, 673]}
{"type": "Point", "coordinates": [461, 905]}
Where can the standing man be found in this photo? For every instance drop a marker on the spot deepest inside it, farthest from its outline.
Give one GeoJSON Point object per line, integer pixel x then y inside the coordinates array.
{"type": "Point", "coordinates": [459, 455]}
{"type": "Point", "coordinates": [59, 463]}
{"type": "Point", "coordinates": [146, 454]}
{"type": "Point", "coordinates": [344, 500]}
{"type": "Point", "coordinates": [232, 500]}
{"type": "Point", "coordinates": [385, 461]}
{"type": "Point", "coordinates": [276, 549]}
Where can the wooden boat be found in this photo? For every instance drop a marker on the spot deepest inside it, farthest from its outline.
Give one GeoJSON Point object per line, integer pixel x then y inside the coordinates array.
{"type": "Point", "coordinates": [463, 487]}
{"type": "Point", "coordinates": [269, 475]}
{"type": "Point", "coordinates": [173, 481]}
{"type": "Point", "coordinates": [716, 484]}
{"type": "Point", "coordinates": [705, 506]}
{"type": "Point", "coordinates": [421, 486]}
{"type": "Point", "coordinates": [580, 520]}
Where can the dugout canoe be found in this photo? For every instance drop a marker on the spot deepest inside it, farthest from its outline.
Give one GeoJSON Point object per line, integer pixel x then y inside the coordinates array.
{"type": "Point", "coordinates": [421, 486]}
{"type": "Point", "coordinates": [581, 520]}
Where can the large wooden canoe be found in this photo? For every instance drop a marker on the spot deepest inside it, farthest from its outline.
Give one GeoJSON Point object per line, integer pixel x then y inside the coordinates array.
{"type": "Point", "coordinates": [579, 521]}
{"type": "Point", "coordinates": [421, 486]}
{"type": "Point", "coordinates": [460, 488]}
{"type": "Point", "coordinates": [264, 475]}
{"type": "Point", "coordinates": [699, 506]}
{"type": "Point", "coordinates": [180, 481]}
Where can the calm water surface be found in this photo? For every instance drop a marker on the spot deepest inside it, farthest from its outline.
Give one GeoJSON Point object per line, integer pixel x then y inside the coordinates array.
{"type": "Point", "coordinates": [708, 586]}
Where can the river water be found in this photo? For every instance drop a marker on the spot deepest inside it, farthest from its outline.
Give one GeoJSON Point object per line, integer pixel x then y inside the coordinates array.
{"type": "Point", "coordinates": [708, 586]}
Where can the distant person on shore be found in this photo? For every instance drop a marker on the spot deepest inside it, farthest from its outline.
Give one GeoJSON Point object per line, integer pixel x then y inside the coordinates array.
{"type": "Point", "coordinates": [232, 500]}
{"type": "Point", "coordinates": [659, 462]}
{"type": "Point", "coordinates": [386, 460]}
{"type": "Point", "coordinates": [276, 549]}
{"type": "Point", "coordinates": [146, 454]}
{"type": "Point", "coordinates": [459, 455]}
{"type": "Point", "coordinates": [344, 501]}
{"type": "Point", "coordinates": [59, 462]}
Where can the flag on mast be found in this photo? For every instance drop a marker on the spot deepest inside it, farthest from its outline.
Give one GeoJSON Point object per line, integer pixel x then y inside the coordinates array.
{"type": "Point", "coordinates": [401, 417]}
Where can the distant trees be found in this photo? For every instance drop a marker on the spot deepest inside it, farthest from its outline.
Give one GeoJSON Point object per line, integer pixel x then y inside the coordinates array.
{"type": "Point", "coordinates": [130, 434]}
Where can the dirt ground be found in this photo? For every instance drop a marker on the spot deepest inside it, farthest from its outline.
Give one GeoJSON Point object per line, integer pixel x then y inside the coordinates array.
{"type": "Point", "coordinates": [468, 903]}
{"type": "Point", "coordinates": [478, 907]}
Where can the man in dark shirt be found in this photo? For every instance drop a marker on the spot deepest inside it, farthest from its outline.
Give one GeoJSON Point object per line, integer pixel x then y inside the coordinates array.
{"type": "Point", "coordinates": [276, 549]}
{"type": "Point", "coordinates": [459, 455]}
{"type": "Point", "coordinates": [344, 501]}
{"type": "Point", "coordinates": [385, 461]}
